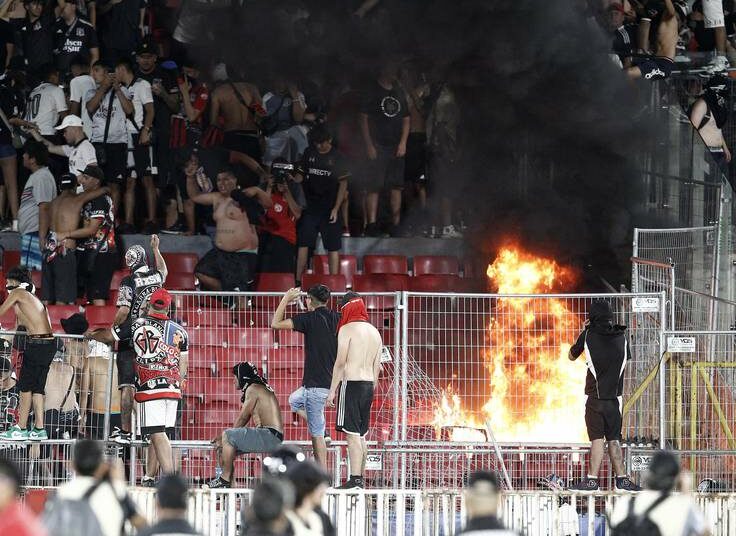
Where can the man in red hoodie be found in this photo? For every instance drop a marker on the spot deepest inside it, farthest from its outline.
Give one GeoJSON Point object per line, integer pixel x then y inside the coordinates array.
{"type": "Point", "coordinates": [356, 371]}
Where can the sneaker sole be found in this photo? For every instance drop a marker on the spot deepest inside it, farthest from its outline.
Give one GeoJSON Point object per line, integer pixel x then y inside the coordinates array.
{"type": "Point", "coordinates": [15, 439]}
{"type": "Point", "coordinates": [121, 441]}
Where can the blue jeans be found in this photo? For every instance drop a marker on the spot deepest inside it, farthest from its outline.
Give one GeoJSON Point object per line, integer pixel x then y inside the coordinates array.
{"type": "Point", "coordinates": [312, 401]}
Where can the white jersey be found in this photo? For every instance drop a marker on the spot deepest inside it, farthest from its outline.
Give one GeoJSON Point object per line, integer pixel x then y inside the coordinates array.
{"type": "Point", "coordinates": [78, 89]}
{"type": "Point", "coordinates": [45, 103]}
{"type": "Point", "coordinates": [118, 131]}
{"type": "Point", "coordinates": [80, 156]}
{"type": "Point", "coordinates": [139, 92]}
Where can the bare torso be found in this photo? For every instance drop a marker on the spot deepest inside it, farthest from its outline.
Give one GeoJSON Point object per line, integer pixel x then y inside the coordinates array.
{"type": "Point", "coordinates": [667, 38]}
{"type": "Point", "coordinates": [31, 313]}
{"type": "Point", "coordinates": [97, 368]}
{"type": "Point", "coordinates": [234, 115]}
{"type": "Point", "coordinates": [364, 351]}
{"type": "Point", "coordinates": [266, 412]}
{"type": "Point", "coordinates": [234, 232]}
{"type": "Point", "coordinates": [65, 215]}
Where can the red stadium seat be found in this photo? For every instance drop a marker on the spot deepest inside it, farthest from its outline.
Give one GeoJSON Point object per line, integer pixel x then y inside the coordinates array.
{"type": "Point", "coordinates": [11, 259]}
{"type": "Point", "coordinates": [380, 282]}
{"type": "Point", "coordinates": [336, 283]}
{"type": "Point", "coordinates": [57, 312]}
{"type": "Point", "coordinates": [209, 317]}
{"type": "Point", "coordinates": [285, 358]}
{"type": "Point", "coordinates": [248, 337]}
{"type": "Point", "coordinates": [180, 281]}
{"type": "Point", "coordinates": [348, 266]}
{"type": "Point", "coordinates": [207, 336]}
{"type": "Point", "coordinates": [436, 265]}
{"type": "Point", "coordinates": [436, 283]}
{"type": "Point", "coordinates": [215, 389]}
{"type": "Point", "coordinates": [385, 264]}
{"type": "Point", "coordinates": [287, 337]}
{"type": "Point", "coordinates": [226, 359]}
{"type": "Point", "coordinates": [100, 315]}
{"type": "Point", "coordinates": [180, 263]}
{"type": "Point", "coordinates": [274, 282]}
{"type": "Point", "coordinates": [117, 277]}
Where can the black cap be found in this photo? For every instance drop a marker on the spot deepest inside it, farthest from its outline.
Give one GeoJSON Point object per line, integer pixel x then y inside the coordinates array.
{"type": "Point", "coordinates": [95, 172]}
{"type": "Point", "coordinates": [147, 47]}
{"type": "Point", "coordinates": [67, 179]}
{"type": "Point", "coordinates": [75, 325]}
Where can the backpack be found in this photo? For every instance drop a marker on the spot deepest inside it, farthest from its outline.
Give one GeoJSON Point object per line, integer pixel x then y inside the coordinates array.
{"type": "Point", "coordinates": [639, 524]}
{"type": "Point", "coordinates": [69, 517]}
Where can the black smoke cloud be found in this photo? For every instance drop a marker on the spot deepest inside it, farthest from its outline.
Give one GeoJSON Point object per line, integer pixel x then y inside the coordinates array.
{"type": "Point", "coordinates": [547, 133]}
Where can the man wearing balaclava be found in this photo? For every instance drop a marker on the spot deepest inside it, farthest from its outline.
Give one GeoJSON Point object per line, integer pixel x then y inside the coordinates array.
{"type": "Point", "coordinates": [356, 372]}
{"type": "Point", "coordinates": [607, 352]}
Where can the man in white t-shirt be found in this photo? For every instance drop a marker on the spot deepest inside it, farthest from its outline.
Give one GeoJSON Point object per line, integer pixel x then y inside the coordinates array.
{"type": "Point", "coordinates": [33, 214]}
{"type": "Point", "coordinates": [79, 86]}
{"type": "Point", "coordinates": [79, 150]}
{"type": "Point", "coordinates": [46, 104]}
{"type": "Point", "coordinates": [139, 127]}
{"type": "Point", "coordinates": [108, 105]}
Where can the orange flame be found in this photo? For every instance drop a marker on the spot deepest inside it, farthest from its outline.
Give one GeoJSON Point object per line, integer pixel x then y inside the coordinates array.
{"type": "Point", "coordinates": [536, 395]}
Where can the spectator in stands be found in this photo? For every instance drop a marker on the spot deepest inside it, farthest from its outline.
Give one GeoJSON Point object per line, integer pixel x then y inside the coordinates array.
{"type": "Point", "coordinates": [231, 263]}
{"type": "Point", "coordinates": [59, 259]}
{"type": "Point", "coordinates": [319, 326]}
{"type": "Point", "coordinates": [660, 64]}
{"type": "Point", "coordinates": [266, 515]}
{"type": "Point", "coordinates": [97, 256]}
{"type": "Point", "coordinates": [171, 508]}
{"type": "Point", "coordinates": [607, 352]}
{"type": "Point", "coordinates": [79, 87]}
{"type": "Point", "coordinates": [323, 176]}
{"type": "Point", "coordinates": [482, 500]}
{"type": "Point", "coordinates": [7, 37]}
{"type": "Point", "coordinates": [93, 393]}
{"type": "Point", "coordinates": [310, 482]}
{"type": "Point", "coordinates": [121, 28]}
{"type": "Point", "coordinates": [78, 149]}
{"type": "Point", "coordinates": [194, 99]}
{"type": "Point", "coordinates": [33, 214]}
{"type": "Point", "coordinates": [14, 518]}
{"type": "Point", "coordinates": [12, 103]}
{"type": "Point", "coordinates": [160, 365]}
{"type": "Point", "coordinates": [357, 369]}
{"type": "Point", "coordinates": [625, 34]}
{"type": "Point", "coordinates": [714, 19]}
{"type": "Point", "coordinates": [709, 114]}
{"type": "Point", "coordinates": [673, 514]}
{"type": "Point", "coordinates": [38, 351]}
{"type": "Point", "coordinates": [108, 106]}
{"type": "Point", "coordinates": [36, 35]}
{"type": "Point", "coordinates": [277, 237]}
{"type": "Point", "coordinates": [259, 404]}
{"type": "Point", "coordinates": [140, 127]}
{"type": "Point", "coordinates": [45, 106]}
{"type": "Point", "coordinates": [102, 484]}
{"type": "Point", "coordinates": [385, 125]}
{"type": "Point", "coordinates": [73, 36]}
{"type": "Point", "coordinates": [285, 107]}
{"type": "Point", "coordinates": [415, 173]}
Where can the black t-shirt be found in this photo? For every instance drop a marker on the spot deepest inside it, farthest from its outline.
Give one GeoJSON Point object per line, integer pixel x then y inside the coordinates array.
{"type": "Point", "coordinates": [168, 526]}
{"type": "Point", "coordinates": [624, 39]}
{"type": "Point", "coordinates": [104, 240]}
{"type": "Point", "coordinates": [119, 26]}
{"type": "Point", "coordinates": [162, 113]}
{"type": "Point", "coordinates": [6, 36]}
{"type": "Point", "coordinates": [321, 178]}
{"type": "Point", "coordinates": [136, 289]}
{"type": "Point", "coordinates": [607, 353]}
{"type": "Point", "coordinates": [37, 40]}
{"type": "Point", "coordinates": [320, 345]}
{"type": "Point", "coordinates": [72, 40]}
{"type": "Point", "coordinates": [12, 104]}
{"type": "Point", "coordinates": [386, 110]}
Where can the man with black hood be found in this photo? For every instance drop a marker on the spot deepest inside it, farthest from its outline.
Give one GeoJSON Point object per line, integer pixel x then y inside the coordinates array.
{"type": "Point", "coordinates": [607, 353]}
{"type": "Point", "coordinates": [709, 114]}
{"type": "Point", "coordinates": [259, 403]}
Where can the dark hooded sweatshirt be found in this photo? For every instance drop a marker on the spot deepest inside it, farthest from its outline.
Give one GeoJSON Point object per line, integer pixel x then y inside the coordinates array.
{"type": "Point", "coordinates": [607, 352]}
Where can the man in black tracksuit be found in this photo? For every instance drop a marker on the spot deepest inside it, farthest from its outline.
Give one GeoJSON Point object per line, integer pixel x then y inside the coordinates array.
{"type": "Point", "coordinates": [607, 352]}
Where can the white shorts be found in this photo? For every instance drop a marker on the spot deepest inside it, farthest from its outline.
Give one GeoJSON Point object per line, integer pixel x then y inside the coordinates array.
{"type": "Point", "coordinates": [156, 416]}
{"type": "Point", "coordinates": [713, 13]}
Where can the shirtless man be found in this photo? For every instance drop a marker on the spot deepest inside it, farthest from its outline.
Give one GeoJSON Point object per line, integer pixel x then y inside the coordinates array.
{"type": "Point", "coordinates": [59, 265]}
{"type": "Point", "coordinates": [357, 366]}
{"type": "Point", "coordinates": [260, 404]}
{"type": "Point", "coordinates": [239, 105]}
{"type": "Point", "coordinates": [40, 347]}
{"type": "Point", "coordinates": [709, 113]}
{"type": "Point", "coordinates": [93, 393]}
{"type": "Point", "coordinates": [659, 65]}
{"type": "Point", "coordinates": [231, 264]}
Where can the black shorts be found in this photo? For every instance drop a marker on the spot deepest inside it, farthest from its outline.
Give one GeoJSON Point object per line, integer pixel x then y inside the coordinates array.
{"type": "Point", "coordinates": [59, 279]}
{"type": "Point", "coordinates": [56, 427]}
{"type": "Point", "coordinates": [386, 171]}
{"type": "Point", "coordinates": [416, 158]}
{"type": "Point", "coordinates": [126, 365]}
{"type": "Point", "coordinates": [115, 167]}
{"type": "Point", "coordinates": [96, 424]}
{"type": "Point", "coordinates": [276, 254]}
{"type": "Point", "coordinates": [354, 407]}
{"type": "Point", "coordinates": [96, 283]}
{"type": "Point", "coordinates": [603, 419]}
{"type": "Point", "coordinates": [654, 67]}
{"type": "Point", "coordinates": [144, 159]}
{"type": "Point", "coordinates": [243, 141]}
{"type": "Point", "coordinates": [235, 270]}
{"type": "Point", "coordinates": [313, 223]}
{"type": "Point", "coordinates": [37, 358]}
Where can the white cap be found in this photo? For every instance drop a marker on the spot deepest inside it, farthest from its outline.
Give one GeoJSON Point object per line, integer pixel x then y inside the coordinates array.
{"type": "Point", "coordinates": [70, 121]}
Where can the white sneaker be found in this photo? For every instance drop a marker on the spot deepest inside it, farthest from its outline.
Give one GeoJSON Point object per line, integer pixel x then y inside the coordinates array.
{"type": "Point", "coordinates": [449, 231]}
{"type": "Point", "coordinates": [15, 226]}
{"type": "Point", "coordinates": [717, 64]}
